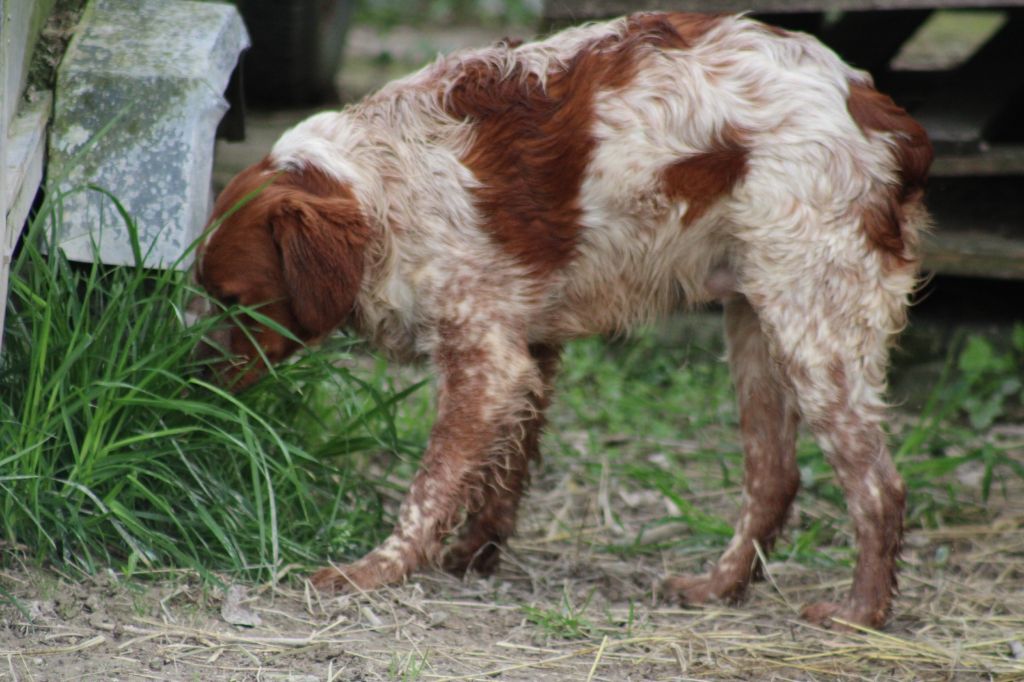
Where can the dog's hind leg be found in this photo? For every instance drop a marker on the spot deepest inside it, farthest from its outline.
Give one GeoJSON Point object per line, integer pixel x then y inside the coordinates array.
{"type": "Point", "coordinates": [505, 480]}
{"type": "Point", "coordinates": [841, 401]}
{"type": "Point", "coordinates": [768, 428]}
{"type": "Point", "coordinates": [829, 331]}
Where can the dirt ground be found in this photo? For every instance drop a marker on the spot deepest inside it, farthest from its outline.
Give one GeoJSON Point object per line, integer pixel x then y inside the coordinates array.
{"type": "Point", "coordinates": [560, 608]}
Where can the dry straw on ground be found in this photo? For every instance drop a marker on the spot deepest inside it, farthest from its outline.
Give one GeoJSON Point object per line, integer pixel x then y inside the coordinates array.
{"type": "Point", "coordinates": [560, 609]}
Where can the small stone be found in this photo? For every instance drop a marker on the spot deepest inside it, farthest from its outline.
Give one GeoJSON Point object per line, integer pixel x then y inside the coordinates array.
{"type": "Point", "coordinates": [100, 621]}
{"type": "Point", "coordinates": [234, 611]}
{"type": "Point", "coordinates": [39, 610]}
{"type": "Point", "coordinates": [371, 617]}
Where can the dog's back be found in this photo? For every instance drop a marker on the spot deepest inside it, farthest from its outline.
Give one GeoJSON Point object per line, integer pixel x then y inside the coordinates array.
{"type": "Point", "coordinates": [667, 141]}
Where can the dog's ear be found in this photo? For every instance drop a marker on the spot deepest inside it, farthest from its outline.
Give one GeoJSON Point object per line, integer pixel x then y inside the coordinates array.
{"type": "Point", "coordinates": [322, 242]}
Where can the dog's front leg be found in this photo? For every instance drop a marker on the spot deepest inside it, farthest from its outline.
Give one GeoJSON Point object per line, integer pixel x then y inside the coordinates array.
{"type": "Point", "coordinates": [485, 375]}
{"type": "Point", "coordinates": [484, 533]}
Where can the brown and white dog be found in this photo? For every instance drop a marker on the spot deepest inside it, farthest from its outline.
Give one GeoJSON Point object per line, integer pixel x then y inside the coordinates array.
{"type": "Point", "coordinates": [501, 201]}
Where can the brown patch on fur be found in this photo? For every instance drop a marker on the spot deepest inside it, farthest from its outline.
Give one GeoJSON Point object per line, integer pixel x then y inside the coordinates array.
{"type": "Point", "coordinates": [775, 30]}
{"type": "Point", "coordinates": [322, 236]}
{"type": "Point", "coordinates": [291, 244]}
{"type": "Point", "coordinates": [532, 143]}
{"type": "Point", "coordinates": [702, 179]}
{"type": "Point", "coordinates": [875, 112]}
{"type": "Point", "coordinates": [692, 27]}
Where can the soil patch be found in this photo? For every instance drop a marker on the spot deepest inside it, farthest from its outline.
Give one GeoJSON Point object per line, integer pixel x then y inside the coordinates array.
{"type": "Point", "coordinates": [561, 607]}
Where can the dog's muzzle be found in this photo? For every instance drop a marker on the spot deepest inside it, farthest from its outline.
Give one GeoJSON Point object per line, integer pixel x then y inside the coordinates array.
{"type": "Point", "coordinates": [214, 343]}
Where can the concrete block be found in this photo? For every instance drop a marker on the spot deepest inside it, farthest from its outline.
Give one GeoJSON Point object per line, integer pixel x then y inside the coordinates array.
{"type": "Point", "coordinates": [138, 98]}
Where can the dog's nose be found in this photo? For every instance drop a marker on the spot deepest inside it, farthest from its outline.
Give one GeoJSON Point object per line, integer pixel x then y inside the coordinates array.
{"type": "Point", "coordinates": [211, 353]}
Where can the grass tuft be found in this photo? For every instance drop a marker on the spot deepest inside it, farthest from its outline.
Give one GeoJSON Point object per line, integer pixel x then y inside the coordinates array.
{"type": "Point", "coordinates": [116, 453]}
{"type": "Point", "coordinates": [565, 622]}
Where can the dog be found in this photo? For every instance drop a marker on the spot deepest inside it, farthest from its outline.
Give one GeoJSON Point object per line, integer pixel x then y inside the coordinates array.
{"type": "Point", "coordinates": [485, 210]}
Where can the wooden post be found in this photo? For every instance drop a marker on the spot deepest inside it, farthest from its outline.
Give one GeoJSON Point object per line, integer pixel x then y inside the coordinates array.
{"type": "Point", "coordinates": [22, 127]}
{"type": "Point", "coordinates": [6, 241]}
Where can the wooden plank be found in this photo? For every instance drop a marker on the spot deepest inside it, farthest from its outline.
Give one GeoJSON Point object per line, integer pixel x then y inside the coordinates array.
{"type": "Point", "coordinates": [995, 160]}
{"type": "Point", "coordinates": [24, 21]}
{"type": "Point", "coordinates": [22, 127]}
{"type": "Point", "coordinates": [3, 121]}
{"type": "Point", "coordinates": [6, 252]}
{"type": "Point", "coordinates": [15, 26]}
{"type": "Point", "coordinates": [26, 144]}
{"type": "Point", "coordinates": [22, 168]}
{"type": "Point", "coordinates": [889, 30]}
{"type": "Point", "coordinates": [979, 226]}
{"type": "Point", "coordinates": [960, 113]}
{"type": "Point", "coordinates": [974, 253]}
{"type": "Point", "coordinates": [564, 11]}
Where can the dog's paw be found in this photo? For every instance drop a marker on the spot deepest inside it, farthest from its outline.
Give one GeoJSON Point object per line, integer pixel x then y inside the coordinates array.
{"type": "Point", "coordinates": [690, 590]}
{"type": "Point", "coordinates": [368, 573]}
{"type": "Point", "coordinates": [835, 616]}
{"type": "Point", "coordinates": [462, 557]}
{"type": "Point", "coordinates": [332, 579]}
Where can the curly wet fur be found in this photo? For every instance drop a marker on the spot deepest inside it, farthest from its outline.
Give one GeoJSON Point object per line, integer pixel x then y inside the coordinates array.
{"type": "Point", "coordinates": [483, 211]}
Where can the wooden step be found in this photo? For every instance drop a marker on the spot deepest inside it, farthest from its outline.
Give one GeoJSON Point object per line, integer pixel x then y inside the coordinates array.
{"type": "Point", "coordinates": [978, 94]}
{"type": "Point", "coordinates": [575, 11]}
{"type": "Point", "coordinates": [974, 253]}
{"type": "Point", "coordinates": [995, 160]}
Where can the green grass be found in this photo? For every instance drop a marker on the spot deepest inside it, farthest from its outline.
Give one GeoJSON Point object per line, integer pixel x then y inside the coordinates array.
{"type": "Point", "coordinates": [643, 386]}
{"type": "Point", "coordinates": [565, 622]}
{"type": "Point", "coordinates": [659, 415]}
{"type": "Point", "coordinates": [981, 386]}
{"type": "Point", "coordinates": [407, 667]}
{"type": "Point", "coordinates": [114, 452]}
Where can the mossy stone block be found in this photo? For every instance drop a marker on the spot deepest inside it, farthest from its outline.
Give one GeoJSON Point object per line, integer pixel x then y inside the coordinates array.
{"type": "Point", "coordinates": [138, 98]}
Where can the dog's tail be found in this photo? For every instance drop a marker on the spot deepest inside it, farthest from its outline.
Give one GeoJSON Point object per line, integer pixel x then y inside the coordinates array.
{"type": "Point", "coordinates": [895, 222]}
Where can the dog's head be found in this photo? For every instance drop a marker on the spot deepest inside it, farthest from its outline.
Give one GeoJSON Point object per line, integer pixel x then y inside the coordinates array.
{"type": "Point", "coordinates": [289, 244]}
